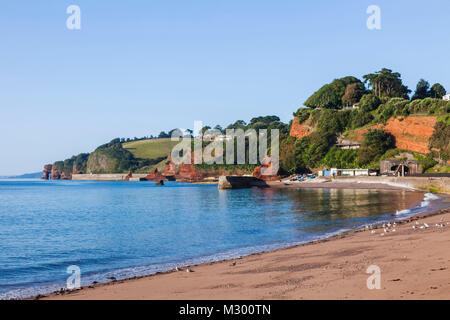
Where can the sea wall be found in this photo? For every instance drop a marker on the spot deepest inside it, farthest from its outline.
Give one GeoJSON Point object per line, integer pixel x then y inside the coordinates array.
{"type": "Point", "coordinates": [240, 182]}
{"type": "Point", "coordinates": [107, 177]}
{"type": "Point", "coordinates": [439, 184]}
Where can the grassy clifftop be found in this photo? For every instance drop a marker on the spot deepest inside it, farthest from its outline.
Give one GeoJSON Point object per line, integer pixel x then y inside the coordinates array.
{"type": "Point", "coordinates": [151, 148]}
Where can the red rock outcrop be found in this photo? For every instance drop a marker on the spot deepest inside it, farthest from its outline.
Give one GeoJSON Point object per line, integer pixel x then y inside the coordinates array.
{"type": "Point", "coordinates": [170, 168]}
{"type": "Point", "coordinates": [65, 176]}
{"type": "Point", "coordinates": [59, 175]}
{"type": "Point", "coordinates": [411, 133]}
{"type": "Point", "coordinates": [266, 171]}
{"type": "Point", "coordinates": [299, 130]}
{"type": "Point", "coordinates": [55, 175]}
{"type": "Point", "coordinates": [183, 171]}
{"type": "Point", "coordinates": [155, 175]}
{"type": "Point", "coordinates": [128, 176]}
{"type": "Point", "coordinates": [47, 172]}
{"type": "Point", "coordinates": [188, 172]}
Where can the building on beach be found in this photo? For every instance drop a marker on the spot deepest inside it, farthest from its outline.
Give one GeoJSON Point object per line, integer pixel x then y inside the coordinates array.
{"type": "Point", "coordinates": [350, 172]}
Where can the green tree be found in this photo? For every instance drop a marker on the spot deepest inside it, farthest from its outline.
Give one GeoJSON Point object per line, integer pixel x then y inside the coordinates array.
{"type": "Point", "coordinates": [353, 93]}
{"type": "Point", "coordinates": [376, 143]}
{"type": "Point", "coordinates": [325, 97]}
{"type": "Point", "coordinates": [440, 139]}
{"type": "Point", "coordinates": [238, 124]}
{"type": "Point", "coordinates": [163, 134]}
{"type": "Point", "coordinates": [330, 96]}
{"type": "Point", "coordinates": [369, 102]}
{"type": "Point", "coordinates": [360, 118]}
{"type": "Point", "coordinates": [310, 150]}
{"type": "Point", "coordinates": [386, 83]}
{"type": "Point", "coordinates": [422, 90]}
{"type": "Point", "coordinates": [287, 154]}
{"type": "Point", "coordinates": [303, 114]}
{"type": "Point", "coordinates": [204, 129]}
{"type": "Point", "coordinates": [333, 121]}
{"type": "Point", "coordinates": [339, 158]}
{"type": "Point", "coordinates": [437, 91]}
{"type": "Point", "coordinates": [265, 119]}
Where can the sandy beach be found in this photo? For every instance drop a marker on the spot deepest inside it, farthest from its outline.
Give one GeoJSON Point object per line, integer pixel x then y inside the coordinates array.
{"type": "Point", "coordinates": [413, 258]}
{"type": "Point", "coordinates": [326, 184]}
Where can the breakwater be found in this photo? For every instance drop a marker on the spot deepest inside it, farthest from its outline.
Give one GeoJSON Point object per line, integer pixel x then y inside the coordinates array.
{"type": "Point", "coordinates": [108, 177]}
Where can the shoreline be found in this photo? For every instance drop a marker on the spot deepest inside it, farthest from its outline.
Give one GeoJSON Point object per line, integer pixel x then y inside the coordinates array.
{"type": "Point", "coordinates": [111, 290]}
{"type": "Point", "coordinates": [340, 185]}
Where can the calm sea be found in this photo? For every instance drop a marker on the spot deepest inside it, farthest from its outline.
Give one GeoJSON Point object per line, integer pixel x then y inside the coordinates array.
{"type": "Point", "coordinates": [124, 229]}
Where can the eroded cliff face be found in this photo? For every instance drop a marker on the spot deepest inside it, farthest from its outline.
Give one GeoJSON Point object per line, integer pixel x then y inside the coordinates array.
{"type": "Point", "coordinates": [411, 133]}
{"type": "Point", "coordinates": [299, 130]}
{"type": "Point", "coordinates": [155, 175]}
{"type": "Point", "coordinates": [99, 162]}
{"type": "Point", "coordinates": [59, 174]}
{"type": "Point", "coordinates": [47, 171]}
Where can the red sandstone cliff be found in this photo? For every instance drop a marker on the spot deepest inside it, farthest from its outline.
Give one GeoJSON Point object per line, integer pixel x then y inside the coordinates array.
{"type": "Point", "coordinates": [183, 171]}
{"type": "Point", "coordinates": [411, 133]}
{"type": "Point", "coordinates": [47, 171]}
{"type": "Point", "coordinates": [155, 175]}
{"type": "Point", "coordinates": [299, 130]}
{"type": "Point", "coordinates": [170, 168]}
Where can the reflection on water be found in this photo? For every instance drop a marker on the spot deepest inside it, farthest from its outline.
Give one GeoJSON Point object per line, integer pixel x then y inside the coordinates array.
{"type": "Point", "coordinates": [108, 226]}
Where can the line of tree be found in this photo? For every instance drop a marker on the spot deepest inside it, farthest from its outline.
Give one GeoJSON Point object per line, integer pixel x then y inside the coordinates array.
{"type": "Point", "coordinates": [383, 84]}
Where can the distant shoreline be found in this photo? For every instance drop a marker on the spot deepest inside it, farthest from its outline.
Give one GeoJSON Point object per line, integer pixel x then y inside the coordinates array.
{"type": "Point", "coordinates": [35, 175]}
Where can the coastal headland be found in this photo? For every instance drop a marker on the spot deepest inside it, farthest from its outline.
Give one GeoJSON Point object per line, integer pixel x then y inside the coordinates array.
{"type": "Point", "coordinates": [412, 256]}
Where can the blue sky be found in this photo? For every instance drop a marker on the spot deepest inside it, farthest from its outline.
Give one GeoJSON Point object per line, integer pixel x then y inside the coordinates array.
{"type": "Point", "coordinates": [139, 67]}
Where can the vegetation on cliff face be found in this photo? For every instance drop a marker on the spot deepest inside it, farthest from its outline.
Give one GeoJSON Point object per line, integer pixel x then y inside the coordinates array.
{"type": "Point", "coordinates": [311, 150]}
{"type": "Point", "coordinates": [257, 123]}
{"type": "Point", "coordinates": [386, 98]}
{"type": "Point", "coordinates": [114, 158]}
{"type": "Point", "coordinates": [76, 164]}
{"type": "Point", "coordinates": [376, 143]}
{"type": "Point", "coordinates": [341, 92]}
{"type": "Point", "coordinates": [111, 158]}
{"type": "Point", "coordinates": [440, 140]}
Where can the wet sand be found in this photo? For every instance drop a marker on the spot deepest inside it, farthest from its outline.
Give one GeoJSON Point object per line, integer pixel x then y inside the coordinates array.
{"type": "Point", "coordinates": [414, 261]}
